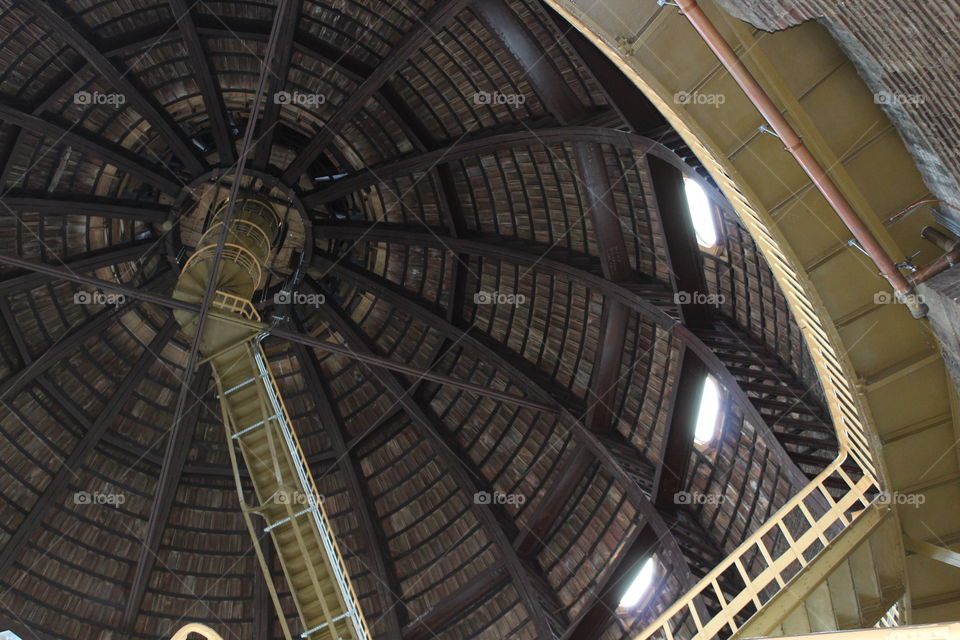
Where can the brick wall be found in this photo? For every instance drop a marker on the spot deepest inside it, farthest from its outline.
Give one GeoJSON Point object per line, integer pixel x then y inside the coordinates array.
{"type": "Point", "coordinates": [909, 49]}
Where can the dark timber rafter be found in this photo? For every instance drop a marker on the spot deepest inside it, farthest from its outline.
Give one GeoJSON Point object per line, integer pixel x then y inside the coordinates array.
{"type": "Point", "coordinates": [602, 210]}
{"type": "Point", "coordinates": [114, 255]}
{"type": "Point", "coordinates": [433, 621]}
{"type": "Point", "coordinates": [287, 16]}
{"type": "Point", "coordinates": [36, 367]}
{"type": "Point", "coordinates": [525, 543]}
{"type": "Point", "coordinates": [53, 493]}
{"type": "Point", "coordinates": [546, 80]}
{"type": "Point", "coordinates": [485, 142]}
{"type": "Point", "coordinates": [678, 440]}
{"type": "Point", "coordinates": [111, 154]}
{"type": "Point", "coordinates": [257, 327]}
{"type": "Point", "coordinates": [624, 96]}
{"type": "Point", "coordinates": [684, 253]}
{"type": "Point", "coordinates": [179, 438]}
{"type": "Point", "coordinates": [209, 89]}
{"type": "Point", "coordinates": [65, 27]}
{"type": "Point", "coordinates": [63, 204]}
{"type": "Point", "coordinates": [458, 465]}
{"type": "Point", "coordinates": [492, 249]}
{"type": "Point", "coordinates": [412, 41]}
{"type": "Point", "coordinates": [387, 584]}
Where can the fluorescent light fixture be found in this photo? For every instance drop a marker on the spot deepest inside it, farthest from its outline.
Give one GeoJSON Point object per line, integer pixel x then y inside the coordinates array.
{"type": "Point", "coordinates": [640, 586]}
{"type": "Point", "coordinates": [701, 212]}
{"type": "Point", "coordinates": [709, 412]}
{"type": "Point", "coordinates": [9, 635]}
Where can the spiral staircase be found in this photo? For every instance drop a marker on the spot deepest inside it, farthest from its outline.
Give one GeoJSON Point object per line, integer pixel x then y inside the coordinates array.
{"type": "Point", "coordinates": [287, 505]}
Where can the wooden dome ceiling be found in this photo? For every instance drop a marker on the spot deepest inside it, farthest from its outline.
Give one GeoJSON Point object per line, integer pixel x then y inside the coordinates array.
{"type": "Point", "coordinates": [433, 154]}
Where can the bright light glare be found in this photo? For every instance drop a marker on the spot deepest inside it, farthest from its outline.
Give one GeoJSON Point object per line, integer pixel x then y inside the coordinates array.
{"type": "Point", "coordinates": [9, 635]}
{"type": "Point", "coordinates": [640, 586]}
{"type": "Point", "coordinates": [707, 416]}
{"type": "Point", "coordinates": [701, 212]}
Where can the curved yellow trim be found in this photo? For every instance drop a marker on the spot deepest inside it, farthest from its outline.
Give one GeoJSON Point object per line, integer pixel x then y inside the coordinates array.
{"type": "Point", "coordinates": [197, 628]}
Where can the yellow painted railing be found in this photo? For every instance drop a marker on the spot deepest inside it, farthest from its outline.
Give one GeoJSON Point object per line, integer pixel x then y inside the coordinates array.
{"type": "Point", "coordinates": [760, 565]}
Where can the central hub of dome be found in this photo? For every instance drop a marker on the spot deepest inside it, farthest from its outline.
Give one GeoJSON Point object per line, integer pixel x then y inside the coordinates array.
{"type": "Point", "coordinates": [281, 218]}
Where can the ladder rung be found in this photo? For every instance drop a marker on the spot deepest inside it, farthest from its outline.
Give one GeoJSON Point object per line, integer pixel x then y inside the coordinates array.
{"type": "Point", "coordinates": [254, 426]}
{"type": "Point", "coordinates": [240, 386]}
{"type": "Point", "coordinates": [288, 519]}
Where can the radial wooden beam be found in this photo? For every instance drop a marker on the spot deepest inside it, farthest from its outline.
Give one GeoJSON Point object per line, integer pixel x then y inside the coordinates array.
{"type": "Point", "coordinates": [633, 301]}
{"type": "Point", "coordinates": [552, 88]}
{"type": "Point", "coordinates": [35, 369]}
{"type": "Point", "coordinates": [455, 462]}
{"type": "Point", "coordinates": [623, 95]}
{"type": "Point", "coordinates": [54, 492]}
{"type": "Point", "coordinates": [530, 540]}
{"type": "Point", "coordinates": [65, 27]}
{"type": "Point", "coordinates": [388, 585]}
{"type": "Point", "coordinates": [63, 204]}
{"type": "Point", "coordinates": [106, 151]}
{"type": "Point", "coordinates": [490, 247]}
{"type": "Point", "coordinates": [605, 600]}
{"type": "Point", "coordinates": [63, 346]}
{"type": "Point", "coordinates": [602, 211]}
{"type": "Point", "coordinates": [179, 439]}
{"type": "Point", "coordinates": [683, 250]}
{"type": "Point", "coordinates": [437, 618]}
{"type": "Point", "coordinates": [286, 17]}
{"type": "Point", "coordinates": [486, 142]}
{"type": "Point", "coordinates": [111, 256]}
{"type": "Point", "coordinates": [293, 336]}
{"type": "Point", "coordinates": [423, 30]}
{"type": "Point", "coordinates": [677, 447]}
{"type": "Point", "coordinates": [209, 88]}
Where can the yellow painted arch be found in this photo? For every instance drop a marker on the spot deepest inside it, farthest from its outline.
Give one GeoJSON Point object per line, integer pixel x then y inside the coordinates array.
{"type": "Point", "coordinates": [199, 629]}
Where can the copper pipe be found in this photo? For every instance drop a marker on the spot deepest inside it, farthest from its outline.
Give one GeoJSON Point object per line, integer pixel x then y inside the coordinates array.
{"type": "Point", "coordinates": [948, 260]}
{"type": "Point", "coordinates": [939, 238]}
{"type": "Point", "coordinates": [818, 175]}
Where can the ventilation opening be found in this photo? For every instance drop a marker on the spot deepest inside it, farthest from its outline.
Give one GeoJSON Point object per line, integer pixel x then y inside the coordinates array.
{"type": "Point", "coordinates": [641, 585]}
{"type": "Point", "coordinates": [702, 214]}
{"type": "Point", "coordinates": [708, 416]}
